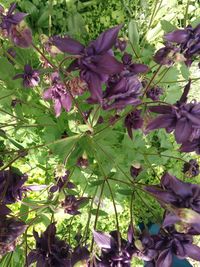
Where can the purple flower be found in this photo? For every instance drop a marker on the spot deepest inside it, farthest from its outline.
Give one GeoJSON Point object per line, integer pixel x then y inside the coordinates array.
{"type": "Point", "coordinates": [133, 121]}
{"type": "Point", "coordinates": [111, 253]}
{"type": "Point", "coordinates": [11, 185]}
{"type": "Point", "coordinates": [30, 77]}
{"type": "Point", "coordinates": [95, 62]}
{"type": "Point", "coordinates": [120, 44]}
{"type": "Point", "coordinates": [10, 229]}
{"type": "Point", "coordinates": [10, 19]}
{"type": "Point", "coordinates": [21, 36]}
{"type": "Point", "coordinates": [176, 193]}
{"type": "Point", "coordinates": [191, 168]}
{"type": "Point", "coordinates": [71, 204]}
{"type": "Point", "coordinates": [82, 162]}
{"type": "Point", "coordinates": [124, 88]}
{"type": "Point", "coordinates": [154, 93]}
{"type": "Point", "coordinates": [190, 146]}
{"type": "Point", "coordinates": [50, 250]}
{"type": "Point", "coordinates": [58, 93]}
{"type": "Point", "coordinates": [188, 40]}
{"type": "Point", "coordinates": [167, 55]}
{"type": "Point", "coordinates": [62, 182]}
{"type": "Point", "coordinates": [135, 170]}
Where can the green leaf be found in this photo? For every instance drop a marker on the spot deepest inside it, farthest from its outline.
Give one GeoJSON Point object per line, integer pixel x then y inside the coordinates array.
{"type": "Point", "coordinates": [23, 213]}
{"type": "Point", "coordinates": [94, 116]}
{"type": "Point", "coordinates": [126, 192]}
{"type": "Point", "coordinates": [167, 26]}
{"type": "Point", "coordinates": [96, 183]}
{"type": "Point", "coordinates": [185, 71]}
{"type": "Point", "coordinates": [63, 146]}
{"type": "Point", "coordinates": [6, 69]}
{"type": "Point", "coordinates": [133, 32]}
{"type": "Point", "coordinates": [100, 212]}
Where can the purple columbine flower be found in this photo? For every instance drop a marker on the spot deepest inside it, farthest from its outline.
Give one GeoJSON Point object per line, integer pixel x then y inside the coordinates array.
{"type": "Point", "coordinates": [124, 88]}
{"type": "Point", "coordinates": [58, 93]}
{"type": "Point", "coordinates": [121, 44]}
{"type": "Point", "coordinates": [21, 35]}
{"type": "Point", "coordinates": [62, 182]}
{"type": "Point", "coordinates": [95, 62]}
{"type": "Point", "coordinates": [191, 168]}
{"type": "Point", "coordinates": [154, 93]}
{"type": "Point", "coordinates": [168, 55]}
{"type": "Point", "coordinates": [135, 170]}
{"type": "Point", "coordinates": [11, 185]}
{"type": "Point", "coordinates": [9, 19]}
{"type": "Point", "coordinates": [50, 250]}
{"type": "Point", "coordinates": [176, 193]}
{"type": "Point", "coordinates": [133, 121]}
{"type": "Point", "coordinates": [71, 204]}
{"type": "Point", "coordinates": [112, 254]}
{"type": "Point", "coordinates": [30, 77]}
{"type": "Point", "coordinates": [188, 40]}
{"type": "Point", "coordinates": [182, 118]}
{"type": "Point", "coordinates": [10, 229]}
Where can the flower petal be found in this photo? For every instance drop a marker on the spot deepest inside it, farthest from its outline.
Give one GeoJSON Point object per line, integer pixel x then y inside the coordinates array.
{"type": "Point", "coordinates": [164, 259]}
{"type": "Point", "coordinates": [162, 121]}
{"type": "Point", "coordinates": [178, 36]}
{"type": "Point", "coordinates": [66, 102]}
{"type": "Point", "coordinates": [67, 45]}
{"type": "Point", "coordinates": [57, 107]}
{"type": "Point", "coordinates": [193, 251]}
{"type": "Point", "coordinates": [106, 40]}
{"type": "Point", "coordinates": [103, 240]}
{"type": "Point", "coordinates": [183, 130]}
{"type": "Point", "coordinates": [160, 194]}
{"type": "Point", "coordinates": [47, 94]}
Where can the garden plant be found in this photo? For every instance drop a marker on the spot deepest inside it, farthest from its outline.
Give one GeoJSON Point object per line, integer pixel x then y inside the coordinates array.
{"type": "Point", "coordinates": [99, 133]}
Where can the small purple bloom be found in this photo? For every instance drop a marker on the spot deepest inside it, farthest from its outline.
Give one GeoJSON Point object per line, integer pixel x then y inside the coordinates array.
{"type": "Point", "coordinates": [121, 44]}
{"type": "Point", "coordinates": [21, 36]}
{"type": "Point", "coordinates": [11, 185]}
{"type": "Point", "coordinates": [50, 250]}
{"type": "Point", "coordinates": [62, 182]}
{"type": "Point", "coordinates": [154, 93]}
{"type": "Point", "coordinates": [135, 170]}
{"type": "Point", "coordinates": [82, 162]}
{"type": "Point", "coordinates": [96, 61]}
{"type": "Point", "coordinates": [10, 19]}
{"type": "Point", "coordinates": [167, 55]}
{"type": "Point", "coordinates": [30, 77]}
{"type": "Point", "coordinates": [191, 168]}
{"type": "Point", "coordinates": [58, 93]}
{"type": "Point", "coordinates": [71, 204]}
{"type": "Point", "coordinates": [133, 121]}
{"type": "Point", "coordinates": [188, 40]}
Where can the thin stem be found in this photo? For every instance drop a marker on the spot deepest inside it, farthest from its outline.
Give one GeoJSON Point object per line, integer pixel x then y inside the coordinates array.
{"type": "Point", "coordinates": [186, 13]}
{"type": "Point", "coordinates": [43, 55]}
{"type": "Point", "coordinates": [161, 155]}
{"type": "Point", "coordinates": [10, 163]}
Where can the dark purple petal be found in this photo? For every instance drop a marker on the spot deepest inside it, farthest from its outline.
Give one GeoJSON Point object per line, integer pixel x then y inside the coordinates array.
{"type": "Point", "coordinates": [183, 130]}
{"type": "Point", "coordinates": [192, 251]}
{"type": "Point", "coordinates": [178, 187]}
{"type": "Point", "coordinates": [186, 90]}
{"type": "Point", "coordinates": [67, 45]}
{"type": "Point", "coordinates": [170, 219]}
{"type": "Point", "coordinates": [12, 8]}
{"type": "Point", "coordinates": [106, 40]}
{"type": "Point", "coordinates": [18, 17]}
{"type": "Point", "coordinates": [178, 36]}
{"type": "Point", "coordinates": [18, 76]}
{"type": "Point", "coordinates": [162, 121]}
{"type": "Point", "coordinates": [103, 240]}
{"type": "Point", "coordinates": [160, 194]}
{"type": "Point", "coordinates": [161, 109]}
{"type": "Point", "coordinates": [164, 259]}
{"type": "Point", "coordinates": [32, 257]}
{"type": "Point", "coordinates": [122, 103]}
{"type": "Point", "coordinates": [138, 68]}
{"type": "Point", "coordinates": [190, 146]}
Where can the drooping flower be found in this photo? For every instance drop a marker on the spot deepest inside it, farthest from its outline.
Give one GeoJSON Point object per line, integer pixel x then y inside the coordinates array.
{"type": "Point", "coordinates": [10, 229]}
{"type": "Point", "coordinates": [62, 182]}
{"type": "Point", "coordinates": [95, 62]}
{"type": "Point", "coordinates": [30, 77]}
{"type": "Point", "coordinates": [112, 254]}
{"type": "Point", "coordinates": [10, 19]}
{"type": "Point", "coordinates": [71, 204]}
{"type": "Point", "coordinates": [50, 250]}
{"type": "Point", "coordinates": [21, 35]}
{"type": "Point", "coordinates": [58, 93]}
{"type": "Point", "coordinates": [124, 88]}
{"type": "Point", "coordinates": [133, 121]}
{"type": "Point", "coordinates": [188, 40]}
{"type": "Point", "coordinates": [191, 168]}
{"type": "Point", "coordinates": [121, 44]}
{"type": "Point", "coordinates": [168, 55]}
{"type": "Point", "coordinates": [176, 193]}
{"type": "Point", "coordinates": [11, 185]}
{"type": "Point", "coordinates": [135, 170]}
{"type": "Point", "coordinates": [154, 93]}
